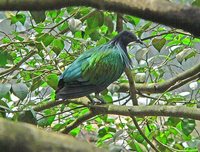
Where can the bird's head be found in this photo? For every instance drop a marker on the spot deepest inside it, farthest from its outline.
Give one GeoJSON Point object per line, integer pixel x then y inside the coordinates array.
{"type": "Point", "coordinates": [126, 37]}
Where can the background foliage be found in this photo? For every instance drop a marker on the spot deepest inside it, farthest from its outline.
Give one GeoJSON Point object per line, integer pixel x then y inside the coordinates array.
{"type": "Point", "coordinates": [37, 46]}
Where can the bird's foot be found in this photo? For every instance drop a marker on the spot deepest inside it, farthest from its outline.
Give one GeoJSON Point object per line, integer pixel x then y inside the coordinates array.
{"type": "Point", "coordinates": [96, 102]}
{"type": "Point", "coordinates": [100, 99]}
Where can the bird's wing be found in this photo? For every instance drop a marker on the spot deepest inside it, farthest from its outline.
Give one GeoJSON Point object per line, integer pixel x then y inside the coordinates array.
{"type": "Point", "coordinates": [71, 84]}
{"type": "Point", "coordinates": [103, 68]}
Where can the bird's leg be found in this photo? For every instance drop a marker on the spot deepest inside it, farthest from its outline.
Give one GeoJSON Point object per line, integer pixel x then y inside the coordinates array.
{"type": "Point", "coordinates": [99, 98]}
{"type": "Point", "coordinates": [91, 100]}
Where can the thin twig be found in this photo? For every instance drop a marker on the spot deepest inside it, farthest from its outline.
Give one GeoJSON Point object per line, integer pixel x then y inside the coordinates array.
{"type": "Point", "coordinates": [131, 86]}
{"type": "Point", "coordinates": [142, 134]}
{"type": "Point", "coordinates": [78, 121]}
{"type": "Point", "coordinates": [15, 67]}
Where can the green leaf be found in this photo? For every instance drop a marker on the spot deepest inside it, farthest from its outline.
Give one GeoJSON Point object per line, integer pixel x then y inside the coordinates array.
{"type": "Point", "coordinates": [53, 14]}
{"type": "Point", "coordinates": [109, 23]}
{"type": "Point", "coordinates": [158, 43]}
{"type": "Point", "coordinates": [96, 20]}
{"type": "Point", "coordinates": [45, 38]}
{"type": "Point", "coordinates": [172, 121]}
{"type": "Point", "coordinates": [190, 55]}
{"type": "Point", "coordinates": [107, 136]}
{"type": "Point", "coordinates": [4, 57]}
{"type": "Point", "coordinates": [52, 81]}
{"type": "Point", "coordinates": [58, 127]}
{"type": "Point", "coordinates": [39, 28]}
{"type": "Point", "coordinates": [132, 19]}
{"type": "Point", "coordinates": [63, 26]}
{"type": "Point", "coordinates": [102, 132]}
{"type": "Point", "coordinates": [28, 117]}
{"type": "Point", "coordinates": [38, 16]}
{"type": "Point", "coordinates": [95, 36]}
{"type": "Point", "coordinates": [46, 121]}
{"type": "Point", "coordinates": [6, 40]}
{"type": "Point", "coordinates": [143, 28]}
{"type": "Point", "coordinates": [20, 90]}
{"type": "Point", "coordinates": [176, 99]}
{"type": "Point", "coordinates": [162, 138]}
{"type": "Point", "coordinates": [4, 89]}
{"type": "Point", "coordinates": [17, 37]}
{"type": "Point", "coordinates": [3, 108]}
{"type": "Point", "coordinates": [139, 147]}
{"type": "Point", "coordinates": [146, 26]}
{"type": "Point", "coordinates": [58, 46]}
{"type": "Point", "coordinates": [75, 131]}
{"type": "Point", "coordinates": [196, 3]}
{"type": "Point", "coordinates": [188, 125]}
{"type": "Point", "coordinates": [137, 137]}
{"type": "Point", "coordinates": [107, 98]}
{"type": "Point", "coordinates": [18, 18]}
{"type": "Point", "coordinates": [185, 54]}
{"type": "Point", "coordinates": [36, 83]}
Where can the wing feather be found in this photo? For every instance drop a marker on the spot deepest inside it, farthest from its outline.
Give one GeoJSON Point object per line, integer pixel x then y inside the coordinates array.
{"type": "Point", "coordinates": [91, 72]}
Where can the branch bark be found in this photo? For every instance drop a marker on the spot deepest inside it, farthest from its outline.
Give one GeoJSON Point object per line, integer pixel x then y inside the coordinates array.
{"type": "Point", "coordinates": [28, 138]}
{"type": "Point", "coordinates": [178, 81]}
{"type": "Point", "coordinates": [164, 12]}
{"type": "Point", "coordinates": [156, 110]}
{"type": "Point", "coordinates": [132, 88]}
{"type": "Point", "coordinates": [132, 111]}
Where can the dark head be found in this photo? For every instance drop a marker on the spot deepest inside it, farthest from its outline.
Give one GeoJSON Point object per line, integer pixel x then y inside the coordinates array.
{"type": "Point", "coordinates": [125, 37]}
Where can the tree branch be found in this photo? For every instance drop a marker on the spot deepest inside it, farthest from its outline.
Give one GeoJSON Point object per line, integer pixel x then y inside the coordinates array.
{"type": "Point", "coordinates": [178, 81]}
{"type": "Point", "coordinates": [142, 134]}
{"type": "Point", "coordinates": [15, 67]}
{"type": "Point", "coordinates": [164, 12]}
{"type": "Point", "coordinates": [155, 110]}
{"type": "Point", "coordinates": [28, 138]}
{"type": "Point", "coordinates": [51, 104]}
{"type": "Point", "coordinates": [132, 88]}
{"type": "Point", "coordinates": [78, 121]}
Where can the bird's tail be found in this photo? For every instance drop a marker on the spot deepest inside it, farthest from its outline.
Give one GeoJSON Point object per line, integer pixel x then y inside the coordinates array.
{"type": "Point", "coordinates": [67, 92]}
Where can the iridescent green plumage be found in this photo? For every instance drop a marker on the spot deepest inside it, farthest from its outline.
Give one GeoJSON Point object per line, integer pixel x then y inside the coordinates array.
{"type": "Point", "coordinates": [95, 69]}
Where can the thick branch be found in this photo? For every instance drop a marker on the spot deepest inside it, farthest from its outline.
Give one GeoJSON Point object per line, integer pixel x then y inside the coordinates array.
{"type": "Point", "coordinates": [164, 12]}
{"type": "Point", "coordinates": [28, 138]}
{"type": "Point", "coordinates": [155, 110]}
{"type": "Point", "coordinates": [178, 81]}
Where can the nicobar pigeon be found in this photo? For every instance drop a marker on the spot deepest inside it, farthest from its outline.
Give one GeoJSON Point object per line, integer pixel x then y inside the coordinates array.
{"type": "Point", "coordinates": [95, 69]}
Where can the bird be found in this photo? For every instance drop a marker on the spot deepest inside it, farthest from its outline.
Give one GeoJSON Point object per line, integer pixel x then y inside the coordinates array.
{"type": "Point", "coordinates": [94, 70]}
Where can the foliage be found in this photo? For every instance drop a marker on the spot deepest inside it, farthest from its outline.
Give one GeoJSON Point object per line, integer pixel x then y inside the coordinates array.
{"type": "Point", "coordinates": [58, 37]}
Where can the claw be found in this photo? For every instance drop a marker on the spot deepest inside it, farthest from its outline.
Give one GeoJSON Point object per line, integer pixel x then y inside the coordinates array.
{"type": "Point", "coordinates": [99, 100]}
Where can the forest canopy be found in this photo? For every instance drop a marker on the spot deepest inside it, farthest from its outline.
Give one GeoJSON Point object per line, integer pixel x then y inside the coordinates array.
{"type": "Point", "coordinates": [153, 105]}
